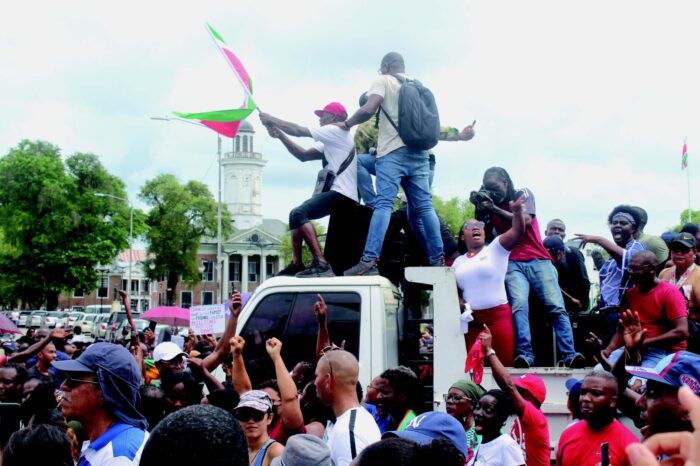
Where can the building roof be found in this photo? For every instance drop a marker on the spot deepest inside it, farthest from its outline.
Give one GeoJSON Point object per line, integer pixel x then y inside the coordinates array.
{"type": "Point", "coordinates": [137, 255]}
{"type": "Point", "coordinates": [246, 126]}
{"type": "Point", "coordinates": [274, 226]}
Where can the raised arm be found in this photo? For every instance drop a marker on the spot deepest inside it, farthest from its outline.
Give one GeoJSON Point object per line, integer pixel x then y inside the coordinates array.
{"type": "Point", "coordinates": [500, 374]}
{"type": "Point", "coordinates": [615, 251]}
{"type": "Point", "coordinates": [56, 334]}
{"type": "Point", "coordinates": [323, 339]}
{"type": "Point", "coordinates": [222, 347]}
{"type": "Point", "coordinates": [510, 238]}
{"type": "Point", "coordinates": [210, 381]}
{"type": "Point", "coordinates": [286, 126]}
{"type": "Point", "coordinates": [363, 113]}
{"type": "Point", "coordinates": [291, 411]}
{"type": "Point", "coordinates": [239, 374]}
{"type": "Point", "coordinates": [304, 155]}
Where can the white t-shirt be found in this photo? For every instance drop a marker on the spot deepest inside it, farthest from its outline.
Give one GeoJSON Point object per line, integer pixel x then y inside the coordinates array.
{"type": "Point", "coordinates": [366, 432]}
{"type": "Point", "coordinates": [387, 86]}
{"type": "Point", "coordinates": [482, 277]}
{"type": "Point", "coordinates": [501, 451]}
{"type": "Point", "coordinates": [335, 144]}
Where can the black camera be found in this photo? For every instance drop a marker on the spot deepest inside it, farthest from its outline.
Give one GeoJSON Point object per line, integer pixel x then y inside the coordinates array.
{"type": "Point", "coordinates": [480, 197]}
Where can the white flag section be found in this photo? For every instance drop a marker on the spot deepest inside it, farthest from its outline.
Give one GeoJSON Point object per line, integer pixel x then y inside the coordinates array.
{"type": "Point", "coordinates": [207, 319]}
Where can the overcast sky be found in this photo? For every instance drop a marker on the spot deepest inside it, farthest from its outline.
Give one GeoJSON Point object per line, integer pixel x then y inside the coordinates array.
{"type": "Point", "coordinates": [585, 103]}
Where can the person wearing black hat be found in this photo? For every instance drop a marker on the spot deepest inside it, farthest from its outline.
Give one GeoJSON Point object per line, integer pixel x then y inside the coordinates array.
{"type": "Point", "coordinates": [101, 390]}
{"type": "Point", "coordinates": [684, 274]}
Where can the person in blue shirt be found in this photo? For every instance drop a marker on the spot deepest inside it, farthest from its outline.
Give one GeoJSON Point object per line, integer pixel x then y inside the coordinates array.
{"type": "Point", "coordinates": [101, 390]}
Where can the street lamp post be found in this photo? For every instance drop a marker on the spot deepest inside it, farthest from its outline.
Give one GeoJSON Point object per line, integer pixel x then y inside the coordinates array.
{"type": "Point", "coordinates": [102, 270]}
{"type": "Point", "coordinates": [218, 210]}
{"type": "Point", "coordinates": [201, 269]}
{"type": "Point", "coordinates": [255, 240]}
{"type": "Point", "coordinates": [131, 234]}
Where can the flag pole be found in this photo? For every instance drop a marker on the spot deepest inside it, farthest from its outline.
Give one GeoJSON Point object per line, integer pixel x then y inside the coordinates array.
{"type": "Point", "coordinates": [240, 80]}
{"type": "Point", "coordinates": [687, 170]}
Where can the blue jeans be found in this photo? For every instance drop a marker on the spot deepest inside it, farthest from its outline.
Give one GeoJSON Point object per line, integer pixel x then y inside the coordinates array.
{"type": "Point", "coordinates": [541, 276]}
{"type": "Point", "coordinates": [365, 170]}
{"type": "Point", "coordinates": [410, 169]}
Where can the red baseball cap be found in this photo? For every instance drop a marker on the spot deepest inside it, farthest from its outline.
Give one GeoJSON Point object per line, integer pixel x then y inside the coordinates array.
{"type": "Point", "coordinates": [336, 108]}
{"type": "Point", "coordinates": [532, 384]}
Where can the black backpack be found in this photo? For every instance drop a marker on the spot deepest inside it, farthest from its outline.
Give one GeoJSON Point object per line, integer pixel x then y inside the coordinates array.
{"type": "Point", "coordinates": [419, 122]}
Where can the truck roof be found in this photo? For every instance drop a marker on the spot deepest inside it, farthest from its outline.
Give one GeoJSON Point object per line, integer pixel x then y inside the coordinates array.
{"type": "Point", "coordinates": [325, 281]}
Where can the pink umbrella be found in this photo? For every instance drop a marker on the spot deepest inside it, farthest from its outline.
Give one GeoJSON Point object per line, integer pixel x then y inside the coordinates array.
{"type": "Point", "coordinates": [171, 315]}
{"type": "Point", "coordinates": [7, 326]}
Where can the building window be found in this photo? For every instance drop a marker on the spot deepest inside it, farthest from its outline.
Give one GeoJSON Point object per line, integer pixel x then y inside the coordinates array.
{"type": "Point", "coordinates": [238, 144]}
{"type": "Point", "coordinates": [234, 271]}
{"type": "Point", "coordinates": [124, 284]}
{"type": "Point", "coordinates": [269, 269]}
{"type": "Point", "coordinates": [186, 299]}
{"type": "Point", "coordinates": [79, 293]}
{"type": "Point", "coordinates": [102, 291]}
{"type": "Point", "coordinates": [134, 286]}
{"type": "Point", "coordinates": [144, 286]}
{"type": "Point", "coordinates": [207, 297]}
{"type": "Point", "coordinates": [208, 274]}
{"type": "Point", "coordinates": [245, 143]}
{"type": "Point", "coordinates": [252, 271]}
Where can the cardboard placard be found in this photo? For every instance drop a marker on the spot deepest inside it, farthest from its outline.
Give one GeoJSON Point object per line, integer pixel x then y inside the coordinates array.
{"type": "Point", "coordinates": [207, 319]}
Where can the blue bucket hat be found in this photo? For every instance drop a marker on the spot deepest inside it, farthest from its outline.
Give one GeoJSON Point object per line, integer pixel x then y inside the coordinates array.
{"type": "Point", "coordinates": [118, 375]}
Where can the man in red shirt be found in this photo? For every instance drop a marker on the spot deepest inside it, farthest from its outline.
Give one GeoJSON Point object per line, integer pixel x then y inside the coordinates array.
{"type": "Point", "coordinates": [599, 433]}
{"type": "Point", "coordinates": [661, 309]}
{"type": "Point", "coordinates": [528, 392]}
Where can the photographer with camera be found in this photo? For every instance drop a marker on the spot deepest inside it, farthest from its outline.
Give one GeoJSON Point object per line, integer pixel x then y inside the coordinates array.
{"type": "Point", "coordinates": [529, 266]}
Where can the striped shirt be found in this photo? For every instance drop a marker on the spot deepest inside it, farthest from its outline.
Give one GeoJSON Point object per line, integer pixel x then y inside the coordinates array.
{"type": "Point", "coordinates": [615, 277]}
{"type": "Point", "coordinates": [121, 445]}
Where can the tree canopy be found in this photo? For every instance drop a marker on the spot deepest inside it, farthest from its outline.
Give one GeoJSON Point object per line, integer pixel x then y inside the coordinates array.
{"type": "Point", "coordinates": [180, 216]}
{"type": "Point", "coordinates": [453, 211]}
{"type": "Point", "coordinates": [55, 230]}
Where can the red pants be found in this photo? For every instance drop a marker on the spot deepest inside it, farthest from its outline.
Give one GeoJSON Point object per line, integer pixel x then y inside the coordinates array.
{"type": "Point", "coordinates": [499, 320]}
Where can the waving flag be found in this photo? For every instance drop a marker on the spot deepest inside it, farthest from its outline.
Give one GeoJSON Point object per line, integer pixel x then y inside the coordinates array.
{"type": "Point", "coordinates": [226, 122]}
{"type": "Point", "coordinates": [684, 156]}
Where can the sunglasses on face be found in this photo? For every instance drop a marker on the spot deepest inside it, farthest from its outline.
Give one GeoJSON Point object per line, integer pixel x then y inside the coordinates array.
{"type": "Point", "coordinates": [244, 415]}
{"type": "Point", "coordinates": [72, 382]}
{"type": "Point", "coordinates": [474, 224]}
{"type": "Point", "coordinates": [453, 398]}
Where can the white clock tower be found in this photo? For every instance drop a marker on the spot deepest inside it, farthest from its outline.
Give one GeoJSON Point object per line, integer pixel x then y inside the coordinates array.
{"type": "Point", "coordinates": [243, 180]}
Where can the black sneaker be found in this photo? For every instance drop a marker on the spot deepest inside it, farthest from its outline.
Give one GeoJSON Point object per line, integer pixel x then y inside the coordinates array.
{"type": "Point", "coordinates": [521, 363]}
{"type": "Point", "coordinates": [362, 269]}
{"type": "Point", "coordinates": [290, 270]}
{"type": "Point", "coordinates": [316, 269]}
{"type": "Point", "coordinates": [578, 362]}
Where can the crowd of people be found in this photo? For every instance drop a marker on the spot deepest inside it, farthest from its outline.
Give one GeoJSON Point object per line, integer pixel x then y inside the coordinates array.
{"type": "Point", "coordinates": [148, 401]}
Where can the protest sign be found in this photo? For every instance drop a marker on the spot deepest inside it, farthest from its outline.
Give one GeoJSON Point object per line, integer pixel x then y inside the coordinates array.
{"type": "Point", "coordinates": [207, 319]}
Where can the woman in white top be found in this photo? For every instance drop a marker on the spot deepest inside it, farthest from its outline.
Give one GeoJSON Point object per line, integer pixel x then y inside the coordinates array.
{"type": "Point", "coordinates": [496, 448]}
{"type": "Point", "coordinates": [481, 274]}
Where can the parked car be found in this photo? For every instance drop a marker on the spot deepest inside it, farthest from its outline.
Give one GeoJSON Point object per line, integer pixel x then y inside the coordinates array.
{"type": "Point", "coordinates": [116, 318]}
{"type": "Point", "coordinates": [141, 325]}
{"type": "Point", "coordinates": [36, 319]}
{"type": "Point", "coordinates": [99, 326]}
{"type": "Point", "coordinates": [23, 318]}
{"type": "Point", "coordinates": [77, 309]}
{"type": "Point", "coordinates": [74, 319]}
{"type": "Point", "coordinates": [87, 323]}
{"type": "Point", "coordinates": [100, 308]}
{"type": "Point", "coordinates": [55, 319]}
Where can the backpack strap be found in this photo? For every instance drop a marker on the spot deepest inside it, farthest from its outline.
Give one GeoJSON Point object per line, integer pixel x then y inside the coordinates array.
{"type": "Point", "coordinates": [345, 163]}
{"type": "Point", "coordinates": [353, 448]}
{"type": "Point", "coordinates": [388, 118]}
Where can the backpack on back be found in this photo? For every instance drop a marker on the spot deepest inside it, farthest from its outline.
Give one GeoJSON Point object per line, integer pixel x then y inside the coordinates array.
{"type": "Point", "coordinates": [419, 122]}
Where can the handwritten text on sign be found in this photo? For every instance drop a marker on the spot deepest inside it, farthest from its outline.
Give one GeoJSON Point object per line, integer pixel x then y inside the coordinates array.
{"type": "Point", "coordinates": [207, 319]}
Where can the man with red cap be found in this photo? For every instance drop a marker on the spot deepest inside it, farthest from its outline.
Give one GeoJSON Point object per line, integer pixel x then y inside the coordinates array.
{"type": "Point", "coordinates": [527, 392]}
{"type": "Point", "coordinates": [336, 149]}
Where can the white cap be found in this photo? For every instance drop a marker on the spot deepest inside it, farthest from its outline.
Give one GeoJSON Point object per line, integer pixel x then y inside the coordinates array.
{"type": "Point", "coordinates": [167, 351]}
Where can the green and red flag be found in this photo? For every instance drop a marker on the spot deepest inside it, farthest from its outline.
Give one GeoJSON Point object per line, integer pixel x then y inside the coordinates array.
{"type": "Point", "coordinates": [226, 122]}
{"type": "Point", "coordinates": [684, 156]}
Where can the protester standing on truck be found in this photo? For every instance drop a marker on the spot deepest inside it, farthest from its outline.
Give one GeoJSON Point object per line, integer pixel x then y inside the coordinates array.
{"type": "Point", "coordinates": [480, 275]}
{"type": "Point", "coordinates": [529, 268]}
{"type": "Point", "coordinates": [396, 164]}
{"type": "Point", "coordinates": [335, 147]}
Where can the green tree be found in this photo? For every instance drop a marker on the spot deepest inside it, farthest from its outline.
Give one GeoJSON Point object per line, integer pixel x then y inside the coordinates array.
{"type": "Point", "coordinates": [285, 247]}
{"type": "Point", "coordinates": [453, 212]}
{"type": "Point", "coordinates": [55, 229]}
{"type": "Point", "coordinates": [694, 218]}
{"type": "Point", "coordinates": [180, 215]}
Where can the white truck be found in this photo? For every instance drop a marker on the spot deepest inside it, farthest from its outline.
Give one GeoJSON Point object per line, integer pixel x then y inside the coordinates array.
{"type": "Point", "coordinates": [369, 314]}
